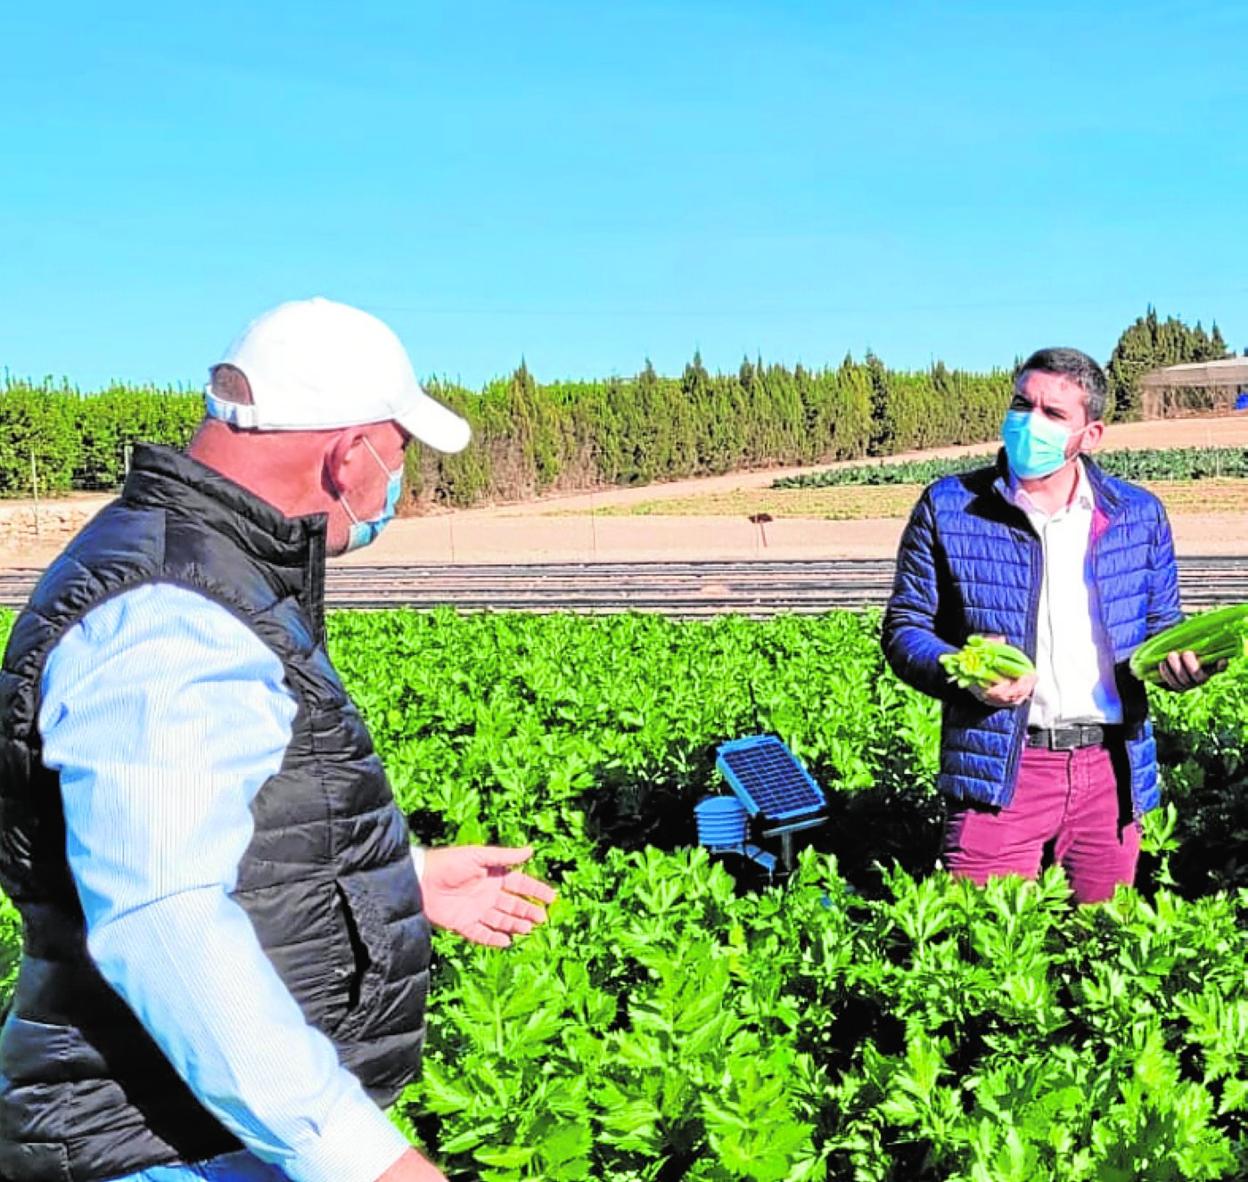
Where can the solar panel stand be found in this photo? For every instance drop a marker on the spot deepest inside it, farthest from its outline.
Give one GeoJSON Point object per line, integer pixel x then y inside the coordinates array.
{"type": "Point", "coordinates": [785, 833]}
{"type": "Point", "coordinates": [775, 788]}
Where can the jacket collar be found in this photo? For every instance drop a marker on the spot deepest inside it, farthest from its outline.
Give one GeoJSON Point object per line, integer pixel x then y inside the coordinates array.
{"type": "Point", "coordinates": [1107, 498]}
{"type": "Point", "coordinates": [291, 548]}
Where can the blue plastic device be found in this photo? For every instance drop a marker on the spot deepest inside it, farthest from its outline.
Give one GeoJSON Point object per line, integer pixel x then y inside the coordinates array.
{"type": "Point", "coordinates": [768, 778]}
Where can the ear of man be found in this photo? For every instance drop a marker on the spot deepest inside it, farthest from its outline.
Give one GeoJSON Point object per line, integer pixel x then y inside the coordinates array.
{"type": "Point", "coordinates": [346, 452]}
{"type": "Point", "coordinates": [1090, 440]}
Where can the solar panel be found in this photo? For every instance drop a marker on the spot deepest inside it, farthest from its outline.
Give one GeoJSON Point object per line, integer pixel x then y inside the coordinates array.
{"type": "Point", "coordinates": [768, 779]}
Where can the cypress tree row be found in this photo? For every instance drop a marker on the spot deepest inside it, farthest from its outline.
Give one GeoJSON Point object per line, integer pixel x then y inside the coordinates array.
{"type": "Point", "coordinates": [564, 436]}
{"type": "Point", "coordinates": [531, 439]}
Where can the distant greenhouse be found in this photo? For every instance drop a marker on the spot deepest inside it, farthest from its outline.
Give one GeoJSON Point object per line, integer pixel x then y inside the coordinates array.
{"type": "Point", "coordinates": [1200, 387]}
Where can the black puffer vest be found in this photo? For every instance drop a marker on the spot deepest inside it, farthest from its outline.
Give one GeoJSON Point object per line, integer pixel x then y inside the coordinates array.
{"type": "Point", "coordinates": [327, 881]}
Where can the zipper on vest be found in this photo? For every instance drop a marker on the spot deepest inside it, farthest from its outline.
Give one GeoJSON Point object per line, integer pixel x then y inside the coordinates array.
{"type": "Point", "coordinates": [1034, 544]}
{"type": "Point", "coordinates": [314, 584]}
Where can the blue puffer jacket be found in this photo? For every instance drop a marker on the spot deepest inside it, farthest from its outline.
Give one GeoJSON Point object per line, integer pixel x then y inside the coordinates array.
{"type": "Point", "coordinates": [969, 562]}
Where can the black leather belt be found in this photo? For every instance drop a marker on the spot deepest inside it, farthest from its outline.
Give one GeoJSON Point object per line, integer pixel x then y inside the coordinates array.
{"type": "Point", "coordinates": [1072, 736]}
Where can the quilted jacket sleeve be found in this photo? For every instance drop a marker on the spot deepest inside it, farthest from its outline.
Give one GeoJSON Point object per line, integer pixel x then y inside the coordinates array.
{"type": "Point", "coordinates": [1163, 578]}
{"type": "Point", "coordinates": [911, 644]}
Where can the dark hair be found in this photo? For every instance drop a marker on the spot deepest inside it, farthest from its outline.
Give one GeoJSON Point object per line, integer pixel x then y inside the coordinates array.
{"type": "Point", "coordinates": [1079, 368]}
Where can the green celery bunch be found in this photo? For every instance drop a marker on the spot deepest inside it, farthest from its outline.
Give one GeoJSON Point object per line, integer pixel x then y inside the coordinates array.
{"type": "Point", "coordinates": [1214, 637]}
{"type": "Point", "coordinates": [984, 662]}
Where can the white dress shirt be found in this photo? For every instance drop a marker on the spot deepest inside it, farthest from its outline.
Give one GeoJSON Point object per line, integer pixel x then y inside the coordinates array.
{"type": "Point", "coordinates": [1074, 661]}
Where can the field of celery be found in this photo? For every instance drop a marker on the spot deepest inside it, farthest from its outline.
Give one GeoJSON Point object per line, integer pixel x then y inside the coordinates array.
{"type": "Point", "coordinates": [872, 1020]}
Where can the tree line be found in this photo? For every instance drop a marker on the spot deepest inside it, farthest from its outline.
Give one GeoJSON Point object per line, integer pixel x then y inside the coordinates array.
{"type": "Point", "coordinates": [532, 438]}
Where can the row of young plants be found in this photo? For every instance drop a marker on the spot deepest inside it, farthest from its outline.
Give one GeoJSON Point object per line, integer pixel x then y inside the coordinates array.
{"type": "Point", "coordinates": [531, 438]}
{"type": "Point", "coordinates": [882, 1024]}
{"type": "Point", "coordinates": [580, 732]}
{"type": "Point", "coordinates": [1154, 464]}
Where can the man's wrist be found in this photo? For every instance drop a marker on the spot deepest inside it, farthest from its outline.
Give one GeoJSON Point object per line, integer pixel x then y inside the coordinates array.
{"type": "Point", "coordinates": [355, 1143]}
{"type": "Point", "coordinates": [418, 860]}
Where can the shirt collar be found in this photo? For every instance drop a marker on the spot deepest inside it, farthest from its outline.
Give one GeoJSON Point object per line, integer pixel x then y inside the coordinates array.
{"type": "Point", "coordinates": [1082, 498]}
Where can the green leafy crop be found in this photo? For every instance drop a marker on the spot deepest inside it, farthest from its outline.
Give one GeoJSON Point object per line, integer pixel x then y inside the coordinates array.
{"type": "Point", "coordinates": [1214, 637]}
{"type": "Point", "coordinates": [873, 1020]}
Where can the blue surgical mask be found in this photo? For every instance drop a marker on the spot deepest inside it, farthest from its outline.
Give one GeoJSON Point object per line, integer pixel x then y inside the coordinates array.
{"type": "Point", "coordinates": [362, 533]}
{"type": "Point", "coordinates": [1034, 445]}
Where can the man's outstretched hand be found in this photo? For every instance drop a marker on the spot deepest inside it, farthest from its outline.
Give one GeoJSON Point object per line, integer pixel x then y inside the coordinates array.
{"type": "Point", "coordinates": [473, 890]}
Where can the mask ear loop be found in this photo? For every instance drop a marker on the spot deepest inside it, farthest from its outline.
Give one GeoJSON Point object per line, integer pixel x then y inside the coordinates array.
{"type": "Point", "coordinates": [342, 500]}
{"type": "Point", "coordinates": [346, 507]}
{"type": "Point", "coordinates": [372, 451]}
{"type": "Point", "coordinates": [342, 496]}
{"type": "Point", "coordinates": [1073, 434]}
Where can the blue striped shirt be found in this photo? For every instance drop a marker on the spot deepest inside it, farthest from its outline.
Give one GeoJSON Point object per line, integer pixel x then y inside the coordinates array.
{"type": "Point", "coordinates": [164, 714]}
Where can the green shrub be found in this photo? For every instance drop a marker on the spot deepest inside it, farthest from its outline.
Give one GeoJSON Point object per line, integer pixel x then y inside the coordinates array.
{"type": "Point", "coordinates": [80, 441]}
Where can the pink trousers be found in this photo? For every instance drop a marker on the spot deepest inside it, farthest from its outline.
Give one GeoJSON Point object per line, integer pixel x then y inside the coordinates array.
{"type": "Point", "coordinates": [1066, 799]}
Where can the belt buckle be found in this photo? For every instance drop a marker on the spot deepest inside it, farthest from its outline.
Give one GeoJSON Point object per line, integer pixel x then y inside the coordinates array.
{"type": "Point", "coordinates": [1065, 738]}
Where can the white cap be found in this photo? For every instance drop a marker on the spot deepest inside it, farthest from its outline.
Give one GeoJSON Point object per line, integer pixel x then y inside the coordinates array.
{"type": "Point", "coordinates": [316, 365]}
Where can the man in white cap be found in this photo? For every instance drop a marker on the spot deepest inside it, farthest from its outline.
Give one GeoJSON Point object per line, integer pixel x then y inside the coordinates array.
{"type": "Point", "coordinates": [226, 928]}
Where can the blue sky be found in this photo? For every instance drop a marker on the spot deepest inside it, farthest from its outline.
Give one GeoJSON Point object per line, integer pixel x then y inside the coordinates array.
{"type": "Point", "coordinates": [586, 185]}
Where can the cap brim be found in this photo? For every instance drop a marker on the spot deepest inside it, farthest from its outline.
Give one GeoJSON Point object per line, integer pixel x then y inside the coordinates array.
{"type": "Point", "coordinates": [433, 424]}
